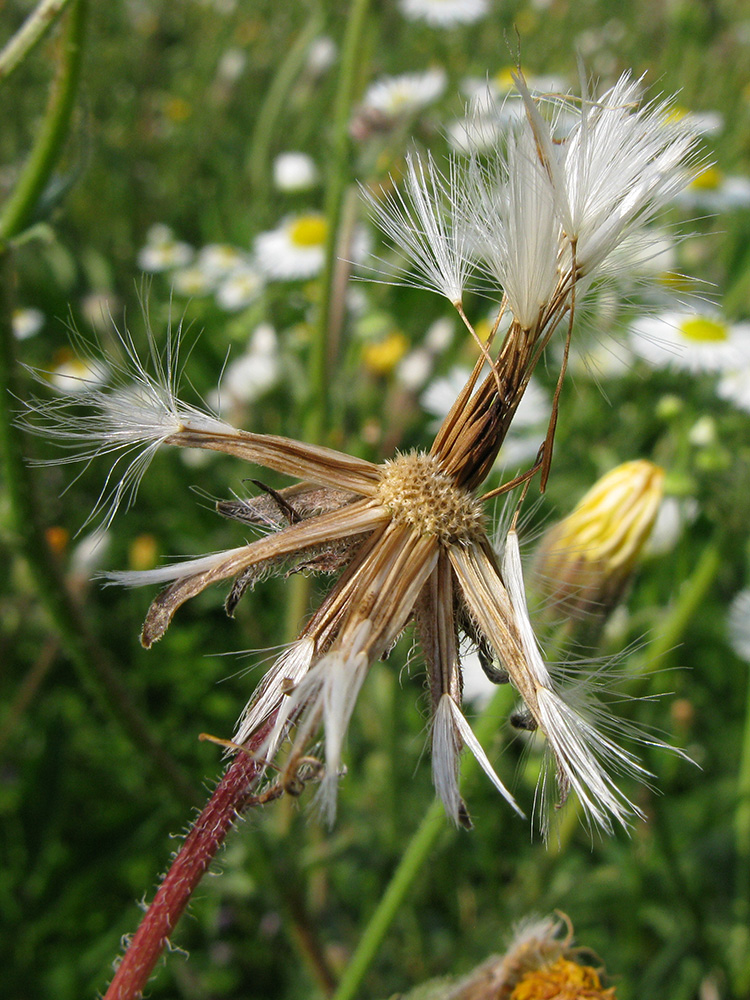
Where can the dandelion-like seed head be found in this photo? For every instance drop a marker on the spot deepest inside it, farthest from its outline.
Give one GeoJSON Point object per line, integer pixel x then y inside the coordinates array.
{"type": "Point", "coordinates": [406, 541]}
{"type": "Point", "coordinates": [416, 493]}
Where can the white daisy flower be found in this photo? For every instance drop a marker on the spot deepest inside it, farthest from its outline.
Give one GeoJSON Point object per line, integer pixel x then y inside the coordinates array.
{"type": "Point", "coordinates": [738, 625]}
{"type": "Point", "coordinates": [690, 342]}
{"type": "Point", "coordinates": [295, 249]}
{"type": "Point", "coordinates": [496, 88]}
{"type": "Point", "coordinates": [192, 282]}
{"type": "Point", "coordinates": [712, 191]}
{"type": "Point", "coordinates": [90, 553]}
{"type": "Point", "coordinates": [162, 251]}
{"type": "Point", "coordinates": [444, 13]}
{"type": "Point", "coordinates": [97, 308]}
{"type": "Point", "coordinates": [473, 134]}
{"type": "Point", "coordinates": [673, 516]}
{"type": "Point", "coordinates": [231, 65]}
{"type": "Point", "coordinates": [250, 376]}
{"type": "Point", "coordinates": [294, 172]}
{"type": "Point", "coordinates": [240, 288]}
{"type": "Point", "coordinates": [527, 430]}
{"type": "Point", "coordinates": [79, 375]}
{"type": "Point", "coordinates": [414, 369]}
{"type": "Point", "coordinates": [321, 55]}
{"type": "Point", "coordinates": [217, 260]}
{"type": "Point", "coordinates": [441, 393]}
{"type": "Point", "coordinates": [400, 96]}
{"type": "Point", "coordinates": [26, 322]}
{"type": "Point", "coordinates": [734, 387]}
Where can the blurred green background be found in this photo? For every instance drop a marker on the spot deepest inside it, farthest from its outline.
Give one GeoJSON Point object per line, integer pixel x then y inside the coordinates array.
{"type": "Point", "coordinates": [181, 113]}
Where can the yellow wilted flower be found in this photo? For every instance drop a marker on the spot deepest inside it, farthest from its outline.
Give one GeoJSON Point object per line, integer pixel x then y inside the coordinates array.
{"type": "Point", "coordinates": [563, 980]}
{"type": "Point", "coordinates": [586, 560]}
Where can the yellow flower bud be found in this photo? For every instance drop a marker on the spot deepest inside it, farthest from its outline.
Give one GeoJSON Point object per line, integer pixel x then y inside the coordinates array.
{"type": "Point", "coordinates": [586, 560]}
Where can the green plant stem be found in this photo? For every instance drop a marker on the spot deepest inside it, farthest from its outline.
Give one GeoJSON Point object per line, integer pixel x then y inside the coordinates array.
{"type": "Point", "coordinates": [273, 105]}
{"type": "Point", "coordinates": [322, 361]}
{"type": "Point", "coordinates": [742, 821]}
{"type": "Point", "coordinates": [97, 672]}
{"type": "Point", "coordinates": [29, 35]}
{"type": "Point", "coordinates": [684, 609]}
{"type": "Point", "coordinates": [20, 206]}
{"type": "Point", "coordinates": [433, 826]}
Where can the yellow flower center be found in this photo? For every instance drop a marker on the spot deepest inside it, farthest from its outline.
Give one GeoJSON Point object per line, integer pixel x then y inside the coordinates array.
{"type": "Point", "coordinates": [416, 493]}
{"type": "Point", "coordinates": [503, 79]}
{"type": "Point", "coordinates": [708, 180]}
{"type": "Point", "coordinates": [701, 330]}
{"type": "Point", "coordinates": [308, 231]}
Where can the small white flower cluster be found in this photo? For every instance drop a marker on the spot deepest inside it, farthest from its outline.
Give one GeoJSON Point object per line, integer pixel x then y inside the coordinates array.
{"type": "Point", "coordinates": [293, 251]}
{"type": "Point", "coordinates": [216, 269]}
{"type": "Point", "coordinates": [397, 96]}
{"type": "Point", "coordinates": [251, 375]}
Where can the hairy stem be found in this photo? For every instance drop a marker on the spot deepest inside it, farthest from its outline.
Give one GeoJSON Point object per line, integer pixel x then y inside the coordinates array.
{"type": "Point", "coordinates": [233, 796]}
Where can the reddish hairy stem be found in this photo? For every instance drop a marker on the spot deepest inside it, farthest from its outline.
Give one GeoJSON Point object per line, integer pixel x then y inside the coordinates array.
{"type": "Point", "coordinates": [232, 795]}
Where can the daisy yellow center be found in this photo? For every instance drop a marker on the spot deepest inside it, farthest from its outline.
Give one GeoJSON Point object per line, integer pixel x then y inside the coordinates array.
{"type": "Point", "coordinates": [703, 331]}
{"type": "Point", "coordinates": [708, 179]}
{"type": "Point", "coordinates": [308, 231]}
{"type": "Point", "coordinates": [504, 79]}
{"type": "Point", "coordinates": [416, 493]}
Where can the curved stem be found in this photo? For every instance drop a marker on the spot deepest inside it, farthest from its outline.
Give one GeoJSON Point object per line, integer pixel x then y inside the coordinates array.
{"type": "Point", "coordinates": [322, 361]}
{"type": "Point", "coordinates": [20, 206]}
{"type": "Point", "coordinates": [232, 796]}
{"type": "Point", "coordinates": [95, 668]}
{"type": "Point", "coordinates": [29, 35]}
{"type": "Point", "coordinates": [692, 593]}
{"type": "Point", "coordinates": [97, 672]}
{"type": "Point", "coordinates": [273, 105]}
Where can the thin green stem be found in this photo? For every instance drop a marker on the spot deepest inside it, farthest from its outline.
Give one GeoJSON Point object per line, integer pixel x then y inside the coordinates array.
{"type": "Point", "coordinates": [421, 845]}
{"type": "Point", "coordinates": [322, 361]}
{"type": "Point", "coordinates": [273, 105]}
{"type": "Point", "coordinates": [20, 206]}
{"type": "Point", "coordinates": [31, 32]}
{"type": "Point", "coordinates": [684, 609]}
{"type": "Point", "coordinates": [742, 837]}
{"type": "Point", "coordinates": [98, 674]}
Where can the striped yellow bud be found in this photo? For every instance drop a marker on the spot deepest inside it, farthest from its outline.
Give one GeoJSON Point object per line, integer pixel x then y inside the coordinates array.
{"type": "Point", "coordinates": [586, 560]}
